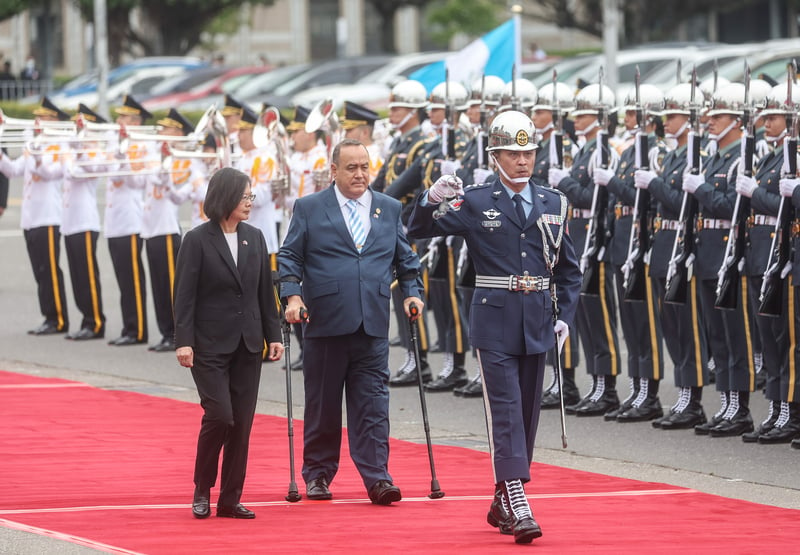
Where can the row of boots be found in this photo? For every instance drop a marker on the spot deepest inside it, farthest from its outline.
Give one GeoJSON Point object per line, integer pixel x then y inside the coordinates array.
{"type": "Point", "coordinates": [452, 377]}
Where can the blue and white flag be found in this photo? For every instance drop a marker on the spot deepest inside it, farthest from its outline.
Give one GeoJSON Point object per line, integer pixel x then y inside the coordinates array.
{"type": "Point", "coordinates": [495, 53]}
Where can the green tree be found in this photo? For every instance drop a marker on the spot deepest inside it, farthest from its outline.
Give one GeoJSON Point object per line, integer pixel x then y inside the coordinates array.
{"type": "Point", "coordinates": [470, 17]}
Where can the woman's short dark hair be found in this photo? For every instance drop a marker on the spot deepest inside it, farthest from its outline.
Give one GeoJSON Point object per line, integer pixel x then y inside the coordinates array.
{"type": "Point", "coordinates": [224, 194]}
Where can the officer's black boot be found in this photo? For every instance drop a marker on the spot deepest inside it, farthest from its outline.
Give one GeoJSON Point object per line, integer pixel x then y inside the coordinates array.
{"type": "Point", "coordinates": [524, 527]}
{"type": "Point", "coordinates": [498, 515]}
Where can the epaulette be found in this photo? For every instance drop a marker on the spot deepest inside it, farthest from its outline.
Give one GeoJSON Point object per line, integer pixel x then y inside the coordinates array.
{"type": "Point", "coordinates": [550, 190]}
{"type": "Point", "coordinates": [476, 186]}
{"type": "Point", "coordinates": [429, 140]}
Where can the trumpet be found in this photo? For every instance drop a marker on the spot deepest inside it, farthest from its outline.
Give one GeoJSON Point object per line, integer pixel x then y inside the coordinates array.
{"type": "Point", "coordinates": [275, 133]}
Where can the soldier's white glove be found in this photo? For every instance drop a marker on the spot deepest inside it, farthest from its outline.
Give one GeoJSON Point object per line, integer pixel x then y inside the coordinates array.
{"type": "Point", "coordinates": [450, 166]}
{"type": "Point", "coordinates": [562, 332]}
{"type": "Point", "coordinates": [602, 176]}
{"type": "Point", "coordinates": [555, 176]}
{"type": "Point", "coordinates": [481, 175]}
{"type": "Point", "coordinates": [692, 182]}
{"type": "Point", "coordinates": [447, 186]}
{"type": "Point", "coordinates": [745, 185]}
{"type": "Point", "coordinates": [642, 178]}
{"type": "Point", "coordinates": [787, 185]}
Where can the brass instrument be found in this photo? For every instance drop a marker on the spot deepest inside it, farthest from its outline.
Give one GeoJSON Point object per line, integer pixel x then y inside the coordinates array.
{"type": "Point", "coordinates": [323, 118]}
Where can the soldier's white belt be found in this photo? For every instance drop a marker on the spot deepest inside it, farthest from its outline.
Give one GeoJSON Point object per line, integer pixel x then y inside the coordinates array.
{"type": "Point", "coordinates": [716, 224]}
{"type": "Point", "coordinates": [763, 219]}
{"type": "Point", "coordinates": [581, 213]}
{"type": "Point", "coordinates": [513, 283]}
{"type": "Point", "coordinates": [670, 224]}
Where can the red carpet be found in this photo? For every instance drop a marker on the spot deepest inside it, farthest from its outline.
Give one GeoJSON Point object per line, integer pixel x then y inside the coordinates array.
{"type": "Point", "coordinates": [113, 470]}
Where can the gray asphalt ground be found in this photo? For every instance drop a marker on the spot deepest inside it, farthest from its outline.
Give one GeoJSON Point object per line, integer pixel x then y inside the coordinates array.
{"type": "Point", "coordinates": [724, 466]}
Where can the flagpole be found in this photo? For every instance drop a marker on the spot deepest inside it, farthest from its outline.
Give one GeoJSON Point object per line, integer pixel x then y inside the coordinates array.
{"type": "Point", "coordinates": [516, 15]}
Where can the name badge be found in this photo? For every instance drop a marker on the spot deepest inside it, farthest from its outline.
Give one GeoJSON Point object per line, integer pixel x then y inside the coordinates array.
{"type": "Point", "coordinates": [491, 223]}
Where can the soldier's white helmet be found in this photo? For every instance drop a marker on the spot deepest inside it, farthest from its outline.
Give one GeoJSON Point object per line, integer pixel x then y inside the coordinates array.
{"type": "Point", "coordinates": [678, 99]}
{"type": "Point", "coordinates": [728, 100]}
{"type": "Point", "coordinates": [512, 130]}
{"type": "Point", "coordinates": [455, 91]}
{"type": "Point", "coordinates": [776, 101]}
{"type": "Point", "coordinates": [526, 94]}
{"type": "Point", "coordinates": [565, 97]}
{"type": "Point", "coordinates": [408, 94]}
{"type": "Point", "coordinates": [587, 101]}
{"type": "Point", "coordinates": [491, 96]}
{"type": "Point", "coordinates": [707, 85]}
{"type": "Point", "coordinates": [759, 90]}
{"type": "Point", "coordinates": [650, 96]}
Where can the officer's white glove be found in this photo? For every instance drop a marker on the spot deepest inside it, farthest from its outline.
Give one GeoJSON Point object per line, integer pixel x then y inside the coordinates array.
{"type": "Point", "coordinates": [602, 176]}
{"type": "Point", "coordinates": [562, 332]}
{"type": "Point", "coordinates": [481, 175]}
{"type": "Point", "coordinates": [745, 185]}
{"type": "Point", "coordinates": [555, 176]}
{"type": "Point", "coordinates": [450, 166]}
{"type": "Point", "coordinates": [787, 185]}
{"type": "Point", "coordinates": [692, 182]}
{"type": "Point", "coordinates": [447, 186]}
{"type": "Point", "coordinates": [642, 178]}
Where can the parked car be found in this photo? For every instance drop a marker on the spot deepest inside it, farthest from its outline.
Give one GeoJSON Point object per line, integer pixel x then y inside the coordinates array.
{"type": "Point", "coordinates": [199, 84]}
{"type": "Point", "coordinates": [372, 89]}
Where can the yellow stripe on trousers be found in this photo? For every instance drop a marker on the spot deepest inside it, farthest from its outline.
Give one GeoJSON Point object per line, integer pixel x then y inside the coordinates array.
{"type": "Point", "coordinates": [51, 247]}
{"type": "Point", "coordinates": [92, 282]}
{"type": "Point", "coordinates": [698, 353]}
{"type": "Point", "coordinates": [792, 343]}
{"type": "Point", "coordinates": [451, 276]}
{"type": "Point", "coordinates": [607, 321]}
{"type": "Point", "coordinates": [751, 365]}
{"type": "Point", "coordinates": [137, 288]}
{"type": "Point", "coordinates": [651, 315]}
{"type": "Point", "coordinates": [171, 269]}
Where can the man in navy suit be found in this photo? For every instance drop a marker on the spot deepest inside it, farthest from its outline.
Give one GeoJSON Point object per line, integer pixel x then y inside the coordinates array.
{"type": "Point", "coordinates": [515, 232]}
{"type": "Point", "coordinates": [344, 247]}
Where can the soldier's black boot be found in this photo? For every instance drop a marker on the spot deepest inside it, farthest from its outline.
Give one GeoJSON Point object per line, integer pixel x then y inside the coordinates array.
{"type": "Point", "coordinates": [686, 413]}
{"type": "Point", "coordinates": [551, 398]}
{"type": "Point", "coordinates": [407, 374]}
{"type": "Point", "coordinates": [766, 425]}
{"type": "Point", "coordinates": [787, 426]}
{"type": "Point", "coordinates": [646, 406]}
{"type": "Point", "coordinates": [626, 404]}
{"type": "Point", "coordinates": [737, 419]}
{"type": "Point", "coordinates": [452, 375]}
{"type": "Point", "coordinates": [524, 527]}
{"type": "Point", "coordinates": [705, 428]}
{"type": "Point", "coordinates": [498, 512]}
{"type": "Point", "coordinates": [603, 399]}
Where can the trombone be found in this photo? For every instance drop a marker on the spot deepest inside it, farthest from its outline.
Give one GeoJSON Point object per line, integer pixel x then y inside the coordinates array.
{"type": "Point", "coordinates": [323, 118]}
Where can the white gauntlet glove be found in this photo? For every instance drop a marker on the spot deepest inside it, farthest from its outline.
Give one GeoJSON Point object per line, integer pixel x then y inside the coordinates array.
{"type": "Point", "coordinates": [691, 182]}
{"type": "Point", "coordinates": [480, 175]}
{"type": "Point", "coordinates": [562, 332]}
{"type": "Point", "coordinates": [555, 176]}
{"type": "Point", "coordinates": [642, 178]}
{"type": "Point", "coordinates": [745, 185]}
{"type": "Point", "coordinates": [450, 167]}
{"type": "Point", "coordinates": [602, 177]}
{"type": "Point", "coordinates": [447, 186]}
{"type": "Point", "coordinates": [787, 185]}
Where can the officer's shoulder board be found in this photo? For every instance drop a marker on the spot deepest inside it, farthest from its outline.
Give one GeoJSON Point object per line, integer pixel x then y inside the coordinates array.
{"type": "Point", "coordinates": [475, 186]}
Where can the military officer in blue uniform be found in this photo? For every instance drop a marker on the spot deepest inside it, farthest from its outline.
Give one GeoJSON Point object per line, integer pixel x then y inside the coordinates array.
{"type": "Point", "coordinates": [522, 256]}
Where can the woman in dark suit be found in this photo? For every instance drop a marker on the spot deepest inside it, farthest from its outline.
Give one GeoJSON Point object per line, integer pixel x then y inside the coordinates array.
{"type": "Point", "coordinates": [224, 311]}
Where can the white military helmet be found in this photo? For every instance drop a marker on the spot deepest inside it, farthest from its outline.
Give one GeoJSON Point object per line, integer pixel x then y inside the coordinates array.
{"type": "Point", "coordinates": [587, 101]}
{"type": "Point", "coordinates": [493, 94]}
{"type": "Point", "coordinates": [408, 94]}
{"type": "Point", "coordinates": [776, 101]}
{"type": "Point", "coordinates": [759, 90]}
{"type": "Point", "coordinates": [526, 94]}
{"type": "Point", "coordinates": [512, 130]}
{"type": "Point", "coordinates": [439, 95]}
{"type": "Point", "coordinates": [565, 97]}
{"type": "Point", "coordinates": [728, 99]}
{"type": "Point", "coordinates": [650, 96]}
{"type": "Point", "coordinates": [707, 86]}
{"type": "Point", "coordinates": [678, 99]}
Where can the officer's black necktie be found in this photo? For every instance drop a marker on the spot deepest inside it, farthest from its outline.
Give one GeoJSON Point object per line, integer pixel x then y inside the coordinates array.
{"type": "Point", "coordinates": [520, 209]}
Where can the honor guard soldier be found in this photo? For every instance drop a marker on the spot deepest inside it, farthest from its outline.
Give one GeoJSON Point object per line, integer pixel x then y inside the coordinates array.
{"type": "Point", "coordinates": [596, 317]}
{"type": "Point", "coordinates": [40, 219]}
{"type": "Point", "coordinates": [481, 109]}
{"type": "Point", "coordinates": [523, 257]}
{"type": "Point", "coordinates": [81, 228]}
{"type": "Point", "coordinates": [543, 114]}
{"type": "Point", "coordinates": [405, 102]}
{"type": "Point", "coordinates": [123, 226]}
{"type": "Point", "coordinates": [161, 229]}
{"type": "Point", "coordinates": [232, 112]}
{"type": "Point", "coordinates": [308, 160]}
{"type": "Point", "coordinates": [520, 95]}
{"type": "Point", "coordinates": [728, 330]}
{"type": "Point", "coordinates": [195, 187]}
{"type": "Point", "coordinates": [359, 123]}
{"type": "Point", "coordinates": [640, 327]}
{"type": "Point", "coordinates": [681, 325]}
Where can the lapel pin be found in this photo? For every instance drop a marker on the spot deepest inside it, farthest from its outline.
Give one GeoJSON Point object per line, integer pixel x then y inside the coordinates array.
{"type": "Point", "coordinates": [244, 242]}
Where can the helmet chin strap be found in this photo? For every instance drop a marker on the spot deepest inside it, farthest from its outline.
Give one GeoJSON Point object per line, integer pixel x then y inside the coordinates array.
{"type": "Point", "coordinates": [404, 120]}
{"type": "Point", "coordinates": [679, 132]}
{"type": "Point", "coordinates": [724, 131]}
{"type": "Point", "coordinates": [546, 128]}
{"type": "Point", "coordinates": [770, 139]}
{"type": "Point", "coordinates": [517, 180]}
{"type": "Point", "coordinates": [588, 129]}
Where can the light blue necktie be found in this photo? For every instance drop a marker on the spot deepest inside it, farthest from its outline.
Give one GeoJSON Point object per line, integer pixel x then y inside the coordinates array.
{"type": "Point", "coordinates": [355, 225]}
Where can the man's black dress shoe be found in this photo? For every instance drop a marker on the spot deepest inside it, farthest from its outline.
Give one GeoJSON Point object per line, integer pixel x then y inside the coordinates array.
{"type": "Point", "coordinates": [164, 346]}
{"type": "Point", "coordinates": [607, 402]}
{"type": "Point", "coordinates": [526, 530]}
{"type": "Point", "coordinates": [693, 415]}
{"type": "Point", "coordinates": [201, 505]}
{"type": "Point", "coordinates": [85, 333]}
{"type": "Point", "coordinates": [383, 492]}
{"type": "Point", "coordinates": [410, 378]}
{"type": "Point", "coordinates": [457, 378]}
{"type": "Point", "coordinates": [318, 490]}
{"type": "Point", "coordinates": [48, 328]}
{"type": "Point", "coordinates": [123, 340]}
{"type": "Point", "coordinates": [741, 423]}
{"type": "Point", "coordinates": [498, 516]}
{"type": "Point", "coordinates": [237, 511]}
{"type": "Point", "coordinates": [650, 409]}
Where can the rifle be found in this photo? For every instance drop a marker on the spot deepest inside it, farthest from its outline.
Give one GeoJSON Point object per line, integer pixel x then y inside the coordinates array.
{"type": "Point", "coordinates": [481, 138]}
{"type": "Point", "coordinates": [680, 261]}
{"type": "Point", "coordinates": [595, 244]}
{"type": "Point", "coordinates": [448, 138]}
{"type": "Point", "coordinates": [728, 282]}
{"type": "Point", "coordinates": [557, 136]}
{"type": "Point", "coordinates": [639, 242]}
{"type": "Point", "coordinates": [771, 297]}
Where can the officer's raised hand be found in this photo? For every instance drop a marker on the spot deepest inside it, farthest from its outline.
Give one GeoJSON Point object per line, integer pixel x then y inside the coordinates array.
{"type": "Point", "coordinates": [446, 187]}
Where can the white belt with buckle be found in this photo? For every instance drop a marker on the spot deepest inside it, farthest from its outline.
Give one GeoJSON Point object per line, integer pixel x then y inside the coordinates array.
{"type": "Point", "coordinates": [513, 283]}
{"type": "Point", "coordinates": [670, 224]}
{"type": "Point", "coordinates": [763, 219]}
{"type": "Point", "coordinates": [716, 224]}
{"type": "Point", "coordinates": [581, 213]}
